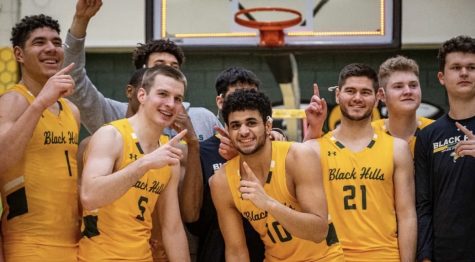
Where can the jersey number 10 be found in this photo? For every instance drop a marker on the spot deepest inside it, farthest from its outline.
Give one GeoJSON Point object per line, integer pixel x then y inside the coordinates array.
{"type": "Point", "coordinates": [283, 235]}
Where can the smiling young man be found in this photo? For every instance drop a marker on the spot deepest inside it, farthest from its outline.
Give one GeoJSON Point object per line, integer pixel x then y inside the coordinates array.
{"type": "Point", "coordinates": [400, 90]}
{"type": "Point", "coordinates": [275, 185]}
{"type": "Point", "coordinates": [38, 138]}
{"type": "Point", "coordinates": [98, 110]}
{"type": "Point", "coordinates": [444, 160]}
{"type": "Point", "coordinates": [211, 243]}
{"type": "Point", "coordinates": [368, 176]}
{"type": "Point", "coordinates": [127, 174]}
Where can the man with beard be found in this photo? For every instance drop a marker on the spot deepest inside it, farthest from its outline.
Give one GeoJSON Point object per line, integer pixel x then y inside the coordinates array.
{"type": "Point", "coordinates": [211, 243]}
{"type": "Point", "coordinates": [275, 185]}
{"type": "Point", "coordinates": [368, 176]}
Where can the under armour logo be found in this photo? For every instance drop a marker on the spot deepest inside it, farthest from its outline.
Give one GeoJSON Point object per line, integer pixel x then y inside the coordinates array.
{"type": "Point", "coordinates": [133, 156]}
{"type": "Point", "coordinates": [330, 153]}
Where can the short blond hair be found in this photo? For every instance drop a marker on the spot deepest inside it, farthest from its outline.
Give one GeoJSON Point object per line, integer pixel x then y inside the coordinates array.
{"type": "Point", "coordinates": [148, 78]}
{"type": "Point", "coordinates": [396, 64]}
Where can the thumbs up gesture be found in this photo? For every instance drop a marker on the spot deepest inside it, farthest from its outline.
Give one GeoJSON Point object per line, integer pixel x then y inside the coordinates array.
{"type": "Point", "coordinates": [59, 85]}
{"type": "Point", "coordinates": [168, 154]}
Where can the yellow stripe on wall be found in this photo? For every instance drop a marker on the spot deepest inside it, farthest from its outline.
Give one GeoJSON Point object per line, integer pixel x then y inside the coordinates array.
{"type": "Point", "coordinates": [288, 113]}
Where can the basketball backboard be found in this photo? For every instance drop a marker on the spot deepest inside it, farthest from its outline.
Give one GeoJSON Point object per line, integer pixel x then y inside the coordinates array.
{"type": "Point", "coordinates": [209, 24]}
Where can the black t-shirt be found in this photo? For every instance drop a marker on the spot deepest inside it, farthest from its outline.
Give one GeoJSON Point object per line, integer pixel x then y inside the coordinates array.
{"type": "Point", "coordinates": [211, 242]}
{"type": "Point", "coordinates": [445, 193]}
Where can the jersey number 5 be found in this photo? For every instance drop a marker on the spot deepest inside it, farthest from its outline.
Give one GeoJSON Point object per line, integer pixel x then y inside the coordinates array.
{"type": "Point", "coordinates": [351, 196]}
{"type": "Point", "coordinates": [142, 208]}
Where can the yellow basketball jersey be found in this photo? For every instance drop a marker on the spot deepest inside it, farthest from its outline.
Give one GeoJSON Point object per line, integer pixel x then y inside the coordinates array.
{"type": "Point", "coordinates": [422, 122]}
{"type": "Point", "coordinates": [280, 245]}
{"type": "Point", "coordinates": [39, 193]}
{"type": "Point", "coordinates": [122, 229]}
{"type": "Point", "coordinates": [360, 194]}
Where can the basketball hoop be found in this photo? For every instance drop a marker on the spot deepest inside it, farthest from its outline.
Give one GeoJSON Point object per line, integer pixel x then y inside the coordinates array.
{"type": "Point", "coordinates": [272, 33]}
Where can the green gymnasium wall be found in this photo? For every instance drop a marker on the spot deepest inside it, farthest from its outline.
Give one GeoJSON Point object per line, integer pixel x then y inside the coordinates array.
{"type": "Point", "coordinates": [110, 72]}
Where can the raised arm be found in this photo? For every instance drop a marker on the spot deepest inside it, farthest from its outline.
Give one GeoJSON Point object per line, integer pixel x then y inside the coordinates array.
{"type": "Point", "coordinates": [405, 200]}
{"type": "Point", "coordinates": [423, 198]}
{"type": "Point", "coordinates": [230, 220]}
{"type": "Point", "coordinates": [100, 184]}
{"type": "Point", "coordinates": [173, 233]}
{"type": "Point", "coordinates": [18, 118]}
{"type": "Point", "coordinates": [312, 222]}
{"type": "Point", "coordinates": [96, 110]}
{"type": "Point", "coordinates": [85, 10]}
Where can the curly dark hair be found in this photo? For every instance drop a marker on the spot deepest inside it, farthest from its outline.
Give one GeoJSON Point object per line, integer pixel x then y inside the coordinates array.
{"type": "Point", "coordinates": [247, 99]}
{"type": "Point", "coordinates": [142, 51]}
{"type": "Point", "coordinates": [461, 43]}
{"type": "Point", "coordinates": [357, 70]}
{"type": "Point", "coordinates": [21, 31]}
{"type": "Point", "coordinates": [235, 75]}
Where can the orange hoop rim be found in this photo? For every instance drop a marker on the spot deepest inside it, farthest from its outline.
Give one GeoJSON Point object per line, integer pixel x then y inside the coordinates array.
{"type": "Point", "coordinates": [274, 25]}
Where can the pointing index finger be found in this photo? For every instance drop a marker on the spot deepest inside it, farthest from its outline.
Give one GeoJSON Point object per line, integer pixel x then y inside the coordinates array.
{"type": "Point", "coordinates": [176, 139]}
{"type": "Point", "coordinates": [65, 70]}
{"type": "Point", "coordinates": [221, 131]}
{"type": "Point", "coordinates": [316, 90]}
{"type": "Point", "coordinates": [249, 173]}
{"type": "Point", "coordinates": [465, 130]}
